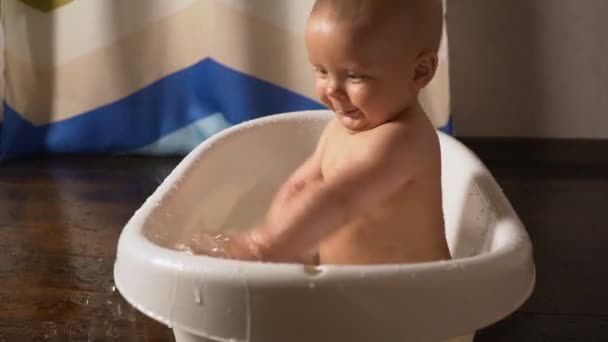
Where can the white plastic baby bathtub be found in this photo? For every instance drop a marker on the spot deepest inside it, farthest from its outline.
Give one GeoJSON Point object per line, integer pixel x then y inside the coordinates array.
{"type": "Point", "coordinates": [228, 181]}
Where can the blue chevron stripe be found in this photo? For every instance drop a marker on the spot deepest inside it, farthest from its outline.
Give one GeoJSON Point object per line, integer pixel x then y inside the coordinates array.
{"type": "Point", "coordinates": [449, 127]}
{"type": "Point", "coordinates": [151, 113]}
{"type": "Point", "coordinates": [183, 140]}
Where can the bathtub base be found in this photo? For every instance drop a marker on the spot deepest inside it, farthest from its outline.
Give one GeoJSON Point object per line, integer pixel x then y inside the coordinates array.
{"type": "Point", "coordinates": [182, 336]}
{"type": "Point", "coordinates": [463, 338]}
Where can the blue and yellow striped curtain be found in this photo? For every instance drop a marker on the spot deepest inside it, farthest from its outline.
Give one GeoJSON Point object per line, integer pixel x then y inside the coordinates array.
{"type": "Point", "coordinates": [154, 76]}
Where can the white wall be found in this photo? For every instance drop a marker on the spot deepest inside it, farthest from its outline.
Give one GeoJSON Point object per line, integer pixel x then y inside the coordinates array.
{"type": "Point", "coordinates": [529, 68]}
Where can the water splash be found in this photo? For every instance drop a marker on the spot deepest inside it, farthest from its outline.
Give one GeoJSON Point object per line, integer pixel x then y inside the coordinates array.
{"type": "Point", "coordinates": [206, 244]}
{"type": "Point", "coordinates": [108, 318]}
{"type": "Point", "coordinates": [112, 331]}
{"type": "Point", "coordinates": [183, 248]}
{"type": "Point", "coordinates": [50, 330]}
{"type": "Point", "coordinates": [312, 270]}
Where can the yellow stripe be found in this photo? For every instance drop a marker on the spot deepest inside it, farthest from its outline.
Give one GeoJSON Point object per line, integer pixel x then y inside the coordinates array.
{"type": "Point", "coordinates": [46, 5]}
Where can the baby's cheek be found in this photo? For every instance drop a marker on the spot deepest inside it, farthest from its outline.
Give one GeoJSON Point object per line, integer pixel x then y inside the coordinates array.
{"type": "Point", "coordinates": [325, 100]}
{"type": "Point", "coordinates": [360, 96]}
{"type": "Point", "coordinates": [320, 92]}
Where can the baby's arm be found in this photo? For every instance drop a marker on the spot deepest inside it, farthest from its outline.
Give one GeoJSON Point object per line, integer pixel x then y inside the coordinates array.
{"type": "Point", "coordinates": [308, 173]}
{"type": "Point", "coordinates": [320, 206]}
{"type": "Point", "coordinates": [243, 246]}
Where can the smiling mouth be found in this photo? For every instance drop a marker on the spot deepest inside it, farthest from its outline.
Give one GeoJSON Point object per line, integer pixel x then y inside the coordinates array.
{"type": "Point", "coordinates": [350, 112]}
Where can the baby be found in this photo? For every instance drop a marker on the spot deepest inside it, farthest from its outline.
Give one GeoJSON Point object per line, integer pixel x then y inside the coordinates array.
{"type": "Point", "coordinates": [371, 191]}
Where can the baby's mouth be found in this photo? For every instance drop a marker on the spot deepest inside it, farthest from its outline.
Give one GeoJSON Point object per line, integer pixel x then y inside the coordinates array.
{"type": "Point", "coordinates": [352, 113]}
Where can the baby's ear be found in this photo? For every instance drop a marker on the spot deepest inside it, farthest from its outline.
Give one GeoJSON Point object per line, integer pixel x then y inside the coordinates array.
{"type": "Point", "coordinates": [424, 68]}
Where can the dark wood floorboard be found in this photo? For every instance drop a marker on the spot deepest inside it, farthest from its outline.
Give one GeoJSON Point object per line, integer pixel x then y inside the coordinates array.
{"type": "Point", "coordinates": [60, 219]}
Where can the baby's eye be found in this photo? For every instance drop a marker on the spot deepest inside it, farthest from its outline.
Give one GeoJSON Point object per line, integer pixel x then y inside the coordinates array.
{"type": "Point", "coordinates": [320, 72]}
{"type": "Point", "coordinates": [354, 77]}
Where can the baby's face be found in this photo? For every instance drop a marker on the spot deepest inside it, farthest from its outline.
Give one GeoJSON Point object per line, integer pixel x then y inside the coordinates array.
{"type": "Point", "coordinates": [366, 78]}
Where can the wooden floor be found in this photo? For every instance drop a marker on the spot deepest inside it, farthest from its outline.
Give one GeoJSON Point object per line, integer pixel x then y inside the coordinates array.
{"type": "Point", "coordinates": [60, 220]}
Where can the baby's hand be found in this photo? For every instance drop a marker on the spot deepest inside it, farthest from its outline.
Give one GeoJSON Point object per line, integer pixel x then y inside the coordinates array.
{"type": "Point", "coordinates": [250, 246]}
{"type": "Point", "coordinates": [223, 245]}
{"type": "Point", "coordinates": [240, 246]}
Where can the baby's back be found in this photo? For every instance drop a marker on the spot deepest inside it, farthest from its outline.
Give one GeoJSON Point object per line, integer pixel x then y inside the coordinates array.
{"type": "Point", "coordinates": [407, 226]}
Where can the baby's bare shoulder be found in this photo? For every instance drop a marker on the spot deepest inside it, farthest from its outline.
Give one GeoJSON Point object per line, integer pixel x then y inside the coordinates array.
{"type": "Point", "coordinates": [403, 142]}
{"type": "Point", "coordinates": [392, 137]}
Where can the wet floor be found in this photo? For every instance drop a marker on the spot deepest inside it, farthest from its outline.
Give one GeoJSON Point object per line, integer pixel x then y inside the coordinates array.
{"type": "Point", "coordinates": [59, 224]}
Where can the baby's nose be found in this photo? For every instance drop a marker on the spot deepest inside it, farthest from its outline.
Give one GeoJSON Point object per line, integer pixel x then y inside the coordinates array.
{"type": "Point", "coordinates": [334, 89]}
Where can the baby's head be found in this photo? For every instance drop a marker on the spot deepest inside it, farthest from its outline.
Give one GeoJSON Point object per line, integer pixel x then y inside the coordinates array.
{"type": "Point", "coordinates": [372, 57]}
